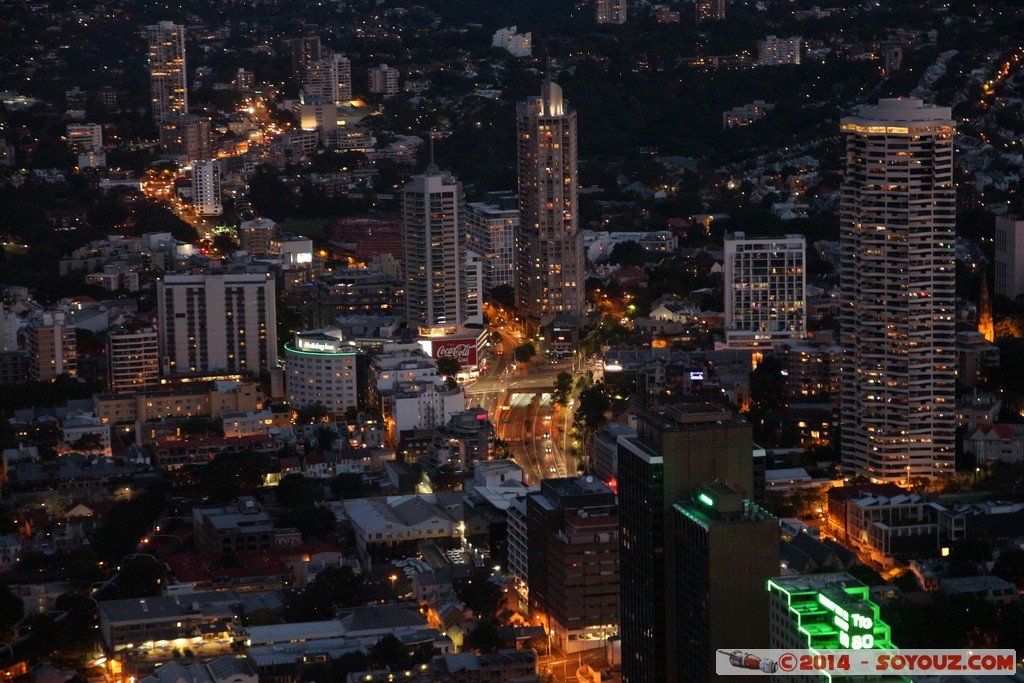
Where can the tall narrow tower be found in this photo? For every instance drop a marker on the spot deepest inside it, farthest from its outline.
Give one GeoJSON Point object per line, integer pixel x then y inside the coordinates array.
{"type": "Point", "coordinates": [434, 230]}
{"type": "Point", "coordinates": [550, 246]}
{"type": "Point", "coordinates": [897, 222]}
{"type": "Point", "coordinates": [166, 62]}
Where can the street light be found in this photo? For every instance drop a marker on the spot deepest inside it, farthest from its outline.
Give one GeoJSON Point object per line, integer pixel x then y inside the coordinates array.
{"type": "Point", "coordinates": [393, 577]}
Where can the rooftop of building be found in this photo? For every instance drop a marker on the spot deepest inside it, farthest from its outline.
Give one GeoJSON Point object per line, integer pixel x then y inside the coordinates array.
{"type": "Point", "coordinates": [301, 631]}
{"type": "Point", "coordinates": [976, 584]}
{"type": "Point", "coordinates": [388, 514]}
{"type": "Point", "coordinates": [169, 606]}
{"type": "Point", "coordinates": [382, 617]}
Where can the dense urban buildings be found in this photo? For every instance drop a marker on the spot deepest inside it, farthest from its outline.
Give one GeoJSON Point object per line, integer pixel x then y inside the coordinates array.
{"type": "Point", "coordinates": [765, 290]}
{"type": "Point", "coordinates": [550, 278]}
{"type": "Point", "coordinates": [673, 453]}
{"type": "Point", "coordinates": [211, 433]}
{"type": "Point", "coordinates": [217, 322]}
{"type": "Point", "coordinates": [897, 219]}
{"type": "Point", "coordinates": [167, 70]}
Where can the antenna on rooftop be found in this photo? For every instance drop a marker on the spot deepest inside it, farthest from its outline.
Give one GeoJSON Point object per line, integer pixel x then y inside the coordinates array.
{"type": "Point", "coordinates": [432, 167]}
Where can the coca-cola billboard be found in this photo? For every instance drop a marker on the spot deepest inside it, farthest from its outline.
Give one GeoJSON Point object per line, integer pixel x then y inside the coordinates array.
{"type": "Point", "coordinates": [462, 350]}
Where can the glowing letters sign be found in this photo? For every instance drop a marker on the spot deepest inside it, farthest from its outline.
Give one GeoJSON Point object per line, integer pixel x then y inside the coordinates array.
{"type": "Point", "coordinates": [855, 630]}
{"type": "Point", "coordinates": [325, 347]}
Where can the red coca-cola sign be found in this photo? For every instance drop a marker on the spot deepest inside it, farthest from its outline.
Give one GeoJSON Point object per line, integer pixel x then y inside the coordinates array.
{"type": "Point", "coordinates": [462, 350]}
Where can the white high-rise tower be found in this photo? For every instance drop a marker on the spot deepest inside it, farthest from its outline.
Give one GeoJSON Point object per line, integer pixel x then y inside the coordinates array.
{"type": "Point", "coordinates": [897, 225]}
{"type": "Point", "coordinates": [330, 78]}
{"type": "Point", "coordinates": [550, 279]}
{"type": "Point", "coordinates": [166, 61]}
{"type": "Point", "coordinates": [434, 229]}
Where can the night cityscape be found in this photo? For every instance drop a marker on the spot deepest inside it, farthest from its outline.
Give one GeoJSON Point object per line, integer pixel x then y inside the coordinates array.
{"type": "Point", "coordinates": [477, 341]}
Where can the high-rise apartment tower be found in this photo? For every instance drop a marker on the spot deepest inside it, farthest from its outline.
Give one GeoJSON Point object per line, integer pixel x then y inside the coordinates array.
{"type": "Point", "coordinates": [551, 275]}
{"type": "Point", "coordinates": [897, 221]}
{"type": "Point", "coordinates": [166, 62]}
{"type": "Point", "coordinates": [434, 229]}
{"type": "Point", "coordinates": [217, 322]}
{"type": "Point", "coordinates": [765, 290]}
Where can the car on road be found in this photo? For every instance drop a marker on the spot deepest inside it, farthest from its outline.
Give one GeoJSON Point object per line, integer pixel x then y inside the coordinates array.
{"type": "Point", "coordinates": [553, 470]}
{"type": "Point", "coordinates": [547, 449]}
{"type": "Point", "coordinates": [547, 435]}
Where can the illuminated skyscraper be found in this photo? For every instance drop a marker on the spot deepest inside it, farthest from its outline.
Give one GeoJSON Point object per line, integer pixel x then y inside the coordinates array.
{"type": "Point", "coordinates": [550, 249]}
{"type": "Point", "coordinates": [434, 228]}
{"type": "Point", "coordinates": [611, 11]}
{"type": "Point", "coordinates": [166, 61]}
{"type": "Point", "coordinates": [897, 218]}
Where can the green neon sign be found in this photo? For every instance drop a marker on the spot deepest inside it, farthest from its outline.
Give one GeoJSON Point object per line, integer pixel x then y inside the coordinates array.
{"type": "Point", "coordinates": [855, 630]}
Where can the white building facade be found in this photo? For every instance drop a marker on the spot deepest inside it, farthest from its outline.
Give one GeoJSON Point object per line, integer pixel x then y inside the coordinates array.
{"type": "Point", "coordinates": [321, 369]}
{"type": "Point", "coordinates": [765, 290]}
{"type": "Point", "coordinates": [206, 188]}
{"type": "Point", "coordinates": [133, 353]}
{"type": "Point", "coordinates": [897, 235]}
{"type": "Point", "coordinates": [383, 80]}
{"type": "Point", "coordinates": [774, 51]}
{"type": "Point", "coordinates": [330, 78]}
{"type": "Point", "coordinates": [434, 231]}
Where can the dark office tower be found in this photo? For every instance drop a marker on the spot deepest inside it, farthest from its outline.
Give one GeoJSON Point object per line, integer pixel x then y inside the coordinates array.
{"type": "Point", "coordinates": [709, 10]}
{"type": "Point", "coordinates": [550, 278]}
{"type": "Point", "coordinates": [304, 51]}
{"type": "Point", "coordinates": [672, 454]}
{"type": "Point", "coordinates": [897, 217]}
{"type": "Point", "coordinates": [726, 549]}
{"type": "Point", "coordinates": [573, 562]}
